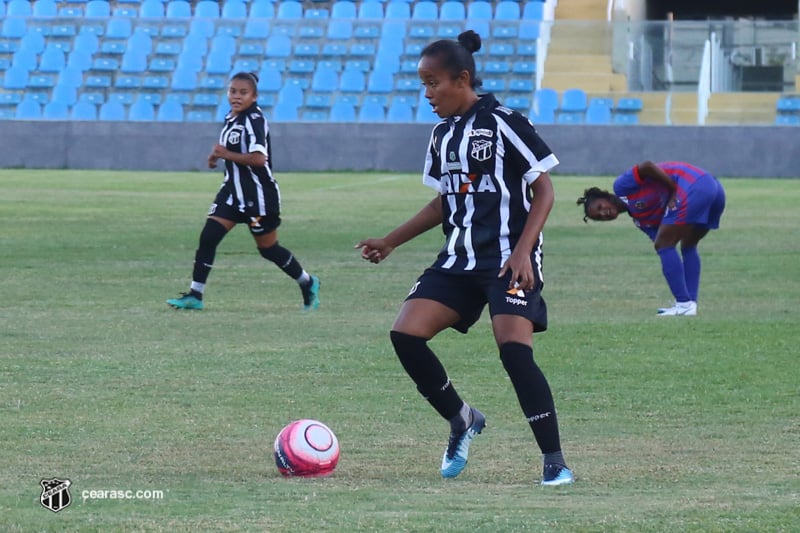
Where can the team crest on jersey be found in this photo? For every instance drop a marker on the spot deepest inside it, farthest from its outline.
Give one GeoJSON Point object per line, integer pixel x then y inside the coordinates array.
{"type": "Point", "coordinates": [481, 150]}
{"type": "Point", "coordinates": [639, 205]}
{"type": "Point", "coordinates": [55, 494]}
{"type": "Point", "coordinates": [452, 156]}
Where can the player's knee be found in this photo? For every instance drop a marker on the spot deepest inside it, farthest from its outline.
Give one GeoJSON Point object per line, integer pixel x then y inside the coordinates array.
{"type": "Point", "coordinates": [212, 234]}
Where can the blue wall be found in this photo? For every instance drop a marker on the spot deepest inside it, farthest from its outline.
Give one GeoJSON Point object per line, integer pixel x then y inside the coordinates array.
{"type": "Point", "coordinates": [735, 151]}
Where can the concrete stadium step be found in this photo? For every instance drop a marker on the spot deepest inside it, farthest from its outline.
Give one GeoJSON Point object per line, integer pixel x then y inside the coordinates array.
{"type": "Point", "coordinates": [742, 108]}
{"type": "Point", "coordinates": [591, 82]}
{"type": "Point", "coordinates": [581, 9]}
{"type": "Point", "coordinates": [683, 109]}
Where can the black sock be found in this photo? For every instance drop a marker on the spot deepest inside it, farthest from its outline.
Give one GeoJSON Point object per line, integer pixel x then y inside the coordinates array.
{"type": "Point", "coordinates": [212, 234]}
{"type": "Point", "coordinates": [533, 393]}
{"type": "Point", "coordinates": [283, 258]}
{"type": "Point", "coordinates": [427, 371]}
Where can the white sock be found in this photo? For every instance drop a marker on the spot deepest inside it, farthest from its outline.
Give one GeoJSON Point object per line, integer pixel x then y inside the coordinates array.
{"type": "Point", "coordinates": [304, 278]}
{"type": "Point", "coordinates": [197, 286]}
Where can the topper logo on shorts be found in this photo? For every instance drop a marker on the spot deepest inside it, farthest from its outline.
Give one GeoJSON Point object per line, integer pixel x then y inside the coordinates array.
{"type": "Point", "coordinates": [516, 297]}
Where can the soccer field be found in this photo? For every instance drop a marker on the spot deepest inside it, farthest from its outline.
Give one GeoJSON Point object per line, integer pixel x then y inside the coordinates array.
{"type": "Point", "coordinates": [670, 424]}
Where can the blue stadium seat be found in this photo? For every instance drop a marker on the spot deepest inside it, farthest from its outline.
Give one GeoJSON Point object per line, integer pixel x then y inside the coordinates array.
{"type": "Point", "coordinates": [494, 85]}
{"type": "Point", "coordinates": [452, 10]}
{"type": "Point", "coordinates": [32, 41]}
{"type": "Point", "coordinates": [334, 50]}
{"type": "Point", "coordinates": [141, 110]}
{"type": "Point", "coordinates": [24, 60]}
{"type": "Point", "coordinates": [397, 10]}
{"type": "Point", "coordinates": [119, 28]}
{"type": "Point", "coordinates": [318, 101]}
{"type": "Point", "coordinates": [545, 102]}
{"type": "Point", "coordinates": [289, 10]}
{"type": "Point", "coordinates": [340, 29]}
{"type": "Point", "coordinates": [425, 112]}
{"type": "Point", "coordinates": [787, 119]}
{"type": "Point", "coordinates": [626, 119]}
{"type": "Point", "coordinates": [533, 10]}
{"type": "Point", "coordinates": [170, 111]}
{"type": "Point", "coordinates": [269, 80]}
{"type": "Point", "coordinates": [496, 67]}
{"type": "Point", "coordinates": [302, 66]}
{"type": "Point", "coordinates": [184, 79]}
{"type": "Point", "coordinates": [371, 112]}
{"type": "Point", "coordinates": [206, 9]}
{"type": "Point", "coordinates": [55, 111]}
{"type": "Point", "coordinates": [41, 81]}
{"type": "Point", "coordinates": [279, 46]}
{"type": "Point", "coordinates": [529, 30]}
{"type": "Point", "coordinates": [316, 13]}
{"type": "Point", "coordinates": [218, 63]}
{"type": "Point", "coordinates": [284, 112]}
{"type": "Point", "coordinates": [342, 111]}
{"type": "Point", "coordinates": [569, 118]}
{"type": "Point", "coordinates": [153, 81]}
{"type": "Point", "coordinates": [64, 93]}
{"type": "Point", "coordinates": [629, 105]}
{"type": "Point", "coordinates": [380, 82]}
{"type": "Point", "coordinates": [306, 50]}
{"type": "Point", "coordinates": [178, 9]}
{"type": "Point", "coordinates": [202, 26]}
{"type": "Point", "coordinates": [127, 82]}
{"type": "Point", "coordinates": [291, 94]}
{"type": "Point", "coordinates": [343, 9]}
{"type": "Point", "coordinates": [370, 10]}
{"type": "Point", "coordinates": [98, 9]}
{"type": "Point", "coordinates": [234, 9]}
{"type": "Point", "coordinates": [370, 31]}
{"type": "Point", "coordinates": [325, 80]}
{"type": "Point", "coordinates": [13, 27]}
{"type": "Point", "coordinates": [788, 104]}
{"type": "Point", "coordinates": [151, 9]}
{"type": "Point", "coordinates": [199, 116]}
{"type": "Point", "coordinates": [141, 41]}
{"type": "Point", "coordinates": [19, 8]}
{"type": "Point", "coordinates": [262, 9]}
{"type": "Point", "coordinates": [352, 81]}
{"type": "Point", "coordinates": [573, 100]}
{"type": "Point", "coordinates": [28, 109]}
{"type": "Point", "coordinates": [162, 65]}
{"type": "Point", "coordinates": [245, 65]}
{"type": "Point", "coordinates": [125, 98]}
{"type": "Point", "coordinates": [425, 10]}
{"type": "Point", "coordinates": [52, 59]}
{"type": "Point", "coordinates": [256, 29]}
{"type": "Point", "coordinates": [361, 65]}
{"type": "Point", "coordinates": [507, 10]}
{"type": "Point", "coordinates": [133, 61]}
{"type": "Point", "coordinates": [112, 111]}
{"type": "Point", "coordinates": [44, 8]}
{"type": "Point", "coordinates": [83, 111]}
{"type": "Point", "coordinates": [599, 111]}
{"type": "Point", "coordinates": [518, 103]}
{"type": "Point", "coordinates": [479, 10]}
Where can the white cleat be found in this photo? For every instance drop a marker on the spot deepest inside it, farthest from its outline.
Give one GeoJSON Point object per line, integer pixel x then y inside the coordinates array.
{"type": "Point", "coordinates": [679, 309]}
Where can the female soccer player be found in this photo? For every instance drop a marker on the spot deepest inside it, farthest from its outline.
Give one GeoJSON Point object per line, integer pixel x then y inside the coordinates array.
{"type": "Point", "coordinates": [672, 203]}
{"type": "Point", "coordinates": [249, 194]}
{"type": "Point", "coordinates": [489, 169]}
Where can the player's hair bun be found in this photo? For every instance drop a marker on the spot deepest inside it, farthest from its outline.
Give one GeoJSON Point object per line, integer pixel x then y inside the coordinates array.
{"type": "Point", "coordinates": [470, 40]}
{"type": "Point", "coordinates": [254, 75]}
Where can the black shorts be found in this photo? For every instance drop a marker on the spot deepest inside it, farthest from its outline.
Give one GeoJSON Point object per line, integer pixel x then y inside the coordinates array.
{"type": "Point", "coordinates": [258, 224]}
{"type": "Point", "coordinates": [468, 293]}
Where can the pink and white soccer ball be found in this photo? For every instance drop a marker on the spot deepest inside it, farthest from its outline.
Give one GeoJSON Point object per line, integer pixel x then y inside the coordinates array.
{"type": "Point", "coordinates": [306, 448]}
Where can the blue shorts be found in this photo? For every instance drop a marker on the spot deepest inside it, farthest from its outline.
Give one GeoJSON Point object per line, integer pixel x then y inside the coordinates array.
{"type": "Point", "coordinates": [468, 293]}
{"type": "Point", "coordinates": [703, 205]}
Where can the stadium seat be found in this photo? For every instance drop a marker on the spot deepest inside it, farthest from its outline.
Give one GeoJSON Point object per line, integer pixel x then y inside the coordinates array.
{"type": "Point", "coordinates": [13, 27]}
{"type": "Point", "coordinates": [479, 10]}
{"type": "Point", "coordinates": [64, 93]}
{"type": "Point", "coordinates": [316, 13]}
{"type": "Point", "coordinates": [289, 10]}
{"type": "Point", "coordinates": [788, 104]}
{"type": "Point", "coordinates": [155, 82]}
{"type": "Point", "coordinates": [371, 112]}
{"type": "Point", "coordinates": [352, 81]}
{"type": "Point", "coordinates": [162, 65]}
{"type": "Point", "coordinates": [83, 111]}
{"type": "Point", "coordinates": [545, 102]}
{"type": "Point", "coordinates": [184, 79]}
{"type": "Point", "coordinates": [234, 9]}
{"type": "Point", "coordinates": [786, 119]}
{"type": "Point", "coordinates": [15, 78]}
{"type": "Point", "coordinates": [19, 8]}
{"type": "Point", "coordinates": [170, 111]}
{"type": "Point", "coordinates": [290, 94]}
{"type": "Point", "coordinates": [569, 118]}
{"type": "Point", "coordinates": [494, 85]}
{"type": "Point", "coordinates": [318, 101]}
{"type": "Point", "coordinates": [340, 30]}
{"type": "Point", "coordinates": [507, 10]}
{"type": "Point", "coordinates": [151, 9]}
{"type": "Point", "coordinates": [218, 63]}
{"type": "Point", "coordinates": [55, 111]}
{"type": "Point", "coordinates": [302, 66]}
{"type": "Point", "coordinates": [397, 10]}
{"type": "Point", "coordinates": [380, 82]}
{"type": "Point", "coordinates": [245, 65]}
{"type": "Point", "coordinates": [141, 111]}
{"type": "Point", "coordinates": [573, 100]}
{"type": "Point", "coordinates": [112, 111]}
{"type": "Point", "coordinates": [178, 9]}
{"type": "Point", "coordinates": [98, 9]}
{"type": "Point", "coordinates": [370, 10]}
{"type": "Point", "coordinates": [629, 105]}
{"type": "Point", "coordinates": [262, 9]}
{"type": "Point", "coordinates": [518, 103]}
{"type": "Point", "coordinates": [342, 111]}
{"type": "Point", "coordinates": [52, 59]}
{"type": "Point", "coordinates": [452, 10]}
{"type": "Point", "coordinates": [425, 10]}
{"type": "Point", "coordinates": [208, 9]}
{"type": "Point", "coordinates": [199, 116]}
{"type": "Point", "coordinates": [256, 29]}
{"type": "Point", "coordinates": [626, 119]}
{"type": "Point", "coordinates": [119, 28]}
{"type": "Point", "coordinates": [28, 109]}
{"type": "Point", "coordinates": [44, 8]}
{"type": "Point", "coordinates": [325, 81]}
{"type": "Point", "coordinates": [599, 111]}
{"type": "Point", "coordinates": [284, 112]}
{"type": "Point", "coordinates": [343, 9]}
{"type": "Point", "coordinates": [32, 41]}
{"type": "Point", "coordinates": [533, 10]}
{"type": "Point", "coordinates": [123, 97]}
{"type": "Point", "coordinates": [425, 112]}
{"type": "Point", "coordinates": [133, 62]}
{"type": "Point", "coordinates": [279, 46]}
{"type": "Point", "coordinates": [529, 30]}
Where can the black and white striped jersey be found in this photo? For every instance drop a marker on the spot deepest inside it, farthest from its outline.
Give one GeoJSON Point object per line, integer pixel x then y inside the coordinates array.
{"type": "Point", "coordinates": [245, 133]}
{"type": "Point", "coordinates": [482, 164]}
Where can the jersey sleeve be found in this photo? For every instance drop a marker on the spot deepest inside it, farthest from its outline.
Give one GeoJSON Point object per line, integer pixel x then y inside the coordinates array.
{"type": "Point", "coordinates": [534, 156]}
{"type": "Point", "coordinates": [256, 127]}
{"type": "Point", "coordinates": [432, 173]}
{"type": "Point", "coordinates": [626, 184]}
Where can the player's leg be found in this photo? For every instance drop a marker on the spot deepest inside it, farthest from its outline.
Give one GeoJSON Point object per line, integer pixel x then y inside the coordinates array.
{"type": "Point", "coordinates": [666, 241]}
{"type": "Point", "coordinates": [708, 203]}
{"type": "Point", "coordinates": [212, 234]}
{"type": "Point", "coordinates": [513, 322]}
{"type": "Point", "coordinates": [433, 306]}
{"type": "Point", "coordinates": [271, 250]}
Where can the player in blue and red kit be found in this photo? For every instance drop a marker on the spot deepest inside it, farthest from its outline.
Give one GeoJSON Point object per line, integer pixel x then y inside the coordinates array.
{"type": "Point", "coordinates": [672, 202]}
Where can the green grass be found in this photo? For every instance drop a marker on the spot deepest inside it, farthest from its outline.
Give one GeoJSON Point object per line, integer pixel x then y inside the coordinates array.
{"type": "Point", "coordinates": [669, 424]}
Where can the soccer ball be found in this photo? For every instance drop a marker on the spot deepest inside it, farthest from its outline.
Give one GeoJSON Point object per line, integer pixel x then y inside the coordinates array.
{"type": "Point", "coordinates": [306, 448]}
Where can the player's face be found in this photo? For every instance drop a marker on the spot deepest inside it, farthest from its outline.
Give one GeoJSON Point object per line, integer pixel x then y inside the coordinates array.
{"type": "Point", "coordinates": [447, 96]}
{"type": "Point", "coordinates": [602, 209]}
{"type": "Point", "coordinates": [241, 95]}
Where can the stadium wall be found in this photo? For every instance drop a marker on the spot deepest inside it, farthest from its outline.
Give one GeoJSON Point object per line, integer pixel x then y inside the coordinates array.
{"type": "Point", "coordinates": [734, 151]}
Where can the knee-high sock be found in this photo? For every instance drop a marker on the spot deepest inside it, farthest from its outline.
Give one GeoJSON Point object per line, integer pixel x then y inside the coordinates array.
{"type": "Point", "coordinates": [691, 270]}
{"type": "Point", "coordinates": [533, 393]}
{"type": "Point", "coordinates": [672, 267]}
{"type": "Point", "coordinates": [212, 234]}
{"type": "Point", "coordinates": [284, 259]}
{"type": "Point", "coordinates": [428, 374]}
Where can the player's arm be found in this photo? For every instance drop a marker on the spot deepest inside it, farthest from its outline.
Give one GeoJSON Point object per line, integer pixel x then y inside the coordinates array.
{"type": "Point", "coordinates": [252, 159]}
{"type": "Point", "coordinates": [520, 260]}
{"type": "Point", "coordinates": [430, 216]}
{"type": "Point", "coordinates": [651, 171]}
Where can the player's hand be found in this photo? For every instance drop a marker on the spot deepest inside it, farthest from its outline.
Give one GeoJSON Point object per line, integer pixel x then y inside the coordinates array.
{"type": "Point", "coordinates": [219, 151]}
{"type": "Point", "coordinates": [374, 250]}
{"type": "Point", "coordinates": [522, 276]}
{"type": "Point", "coordinates": [212, 161]}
